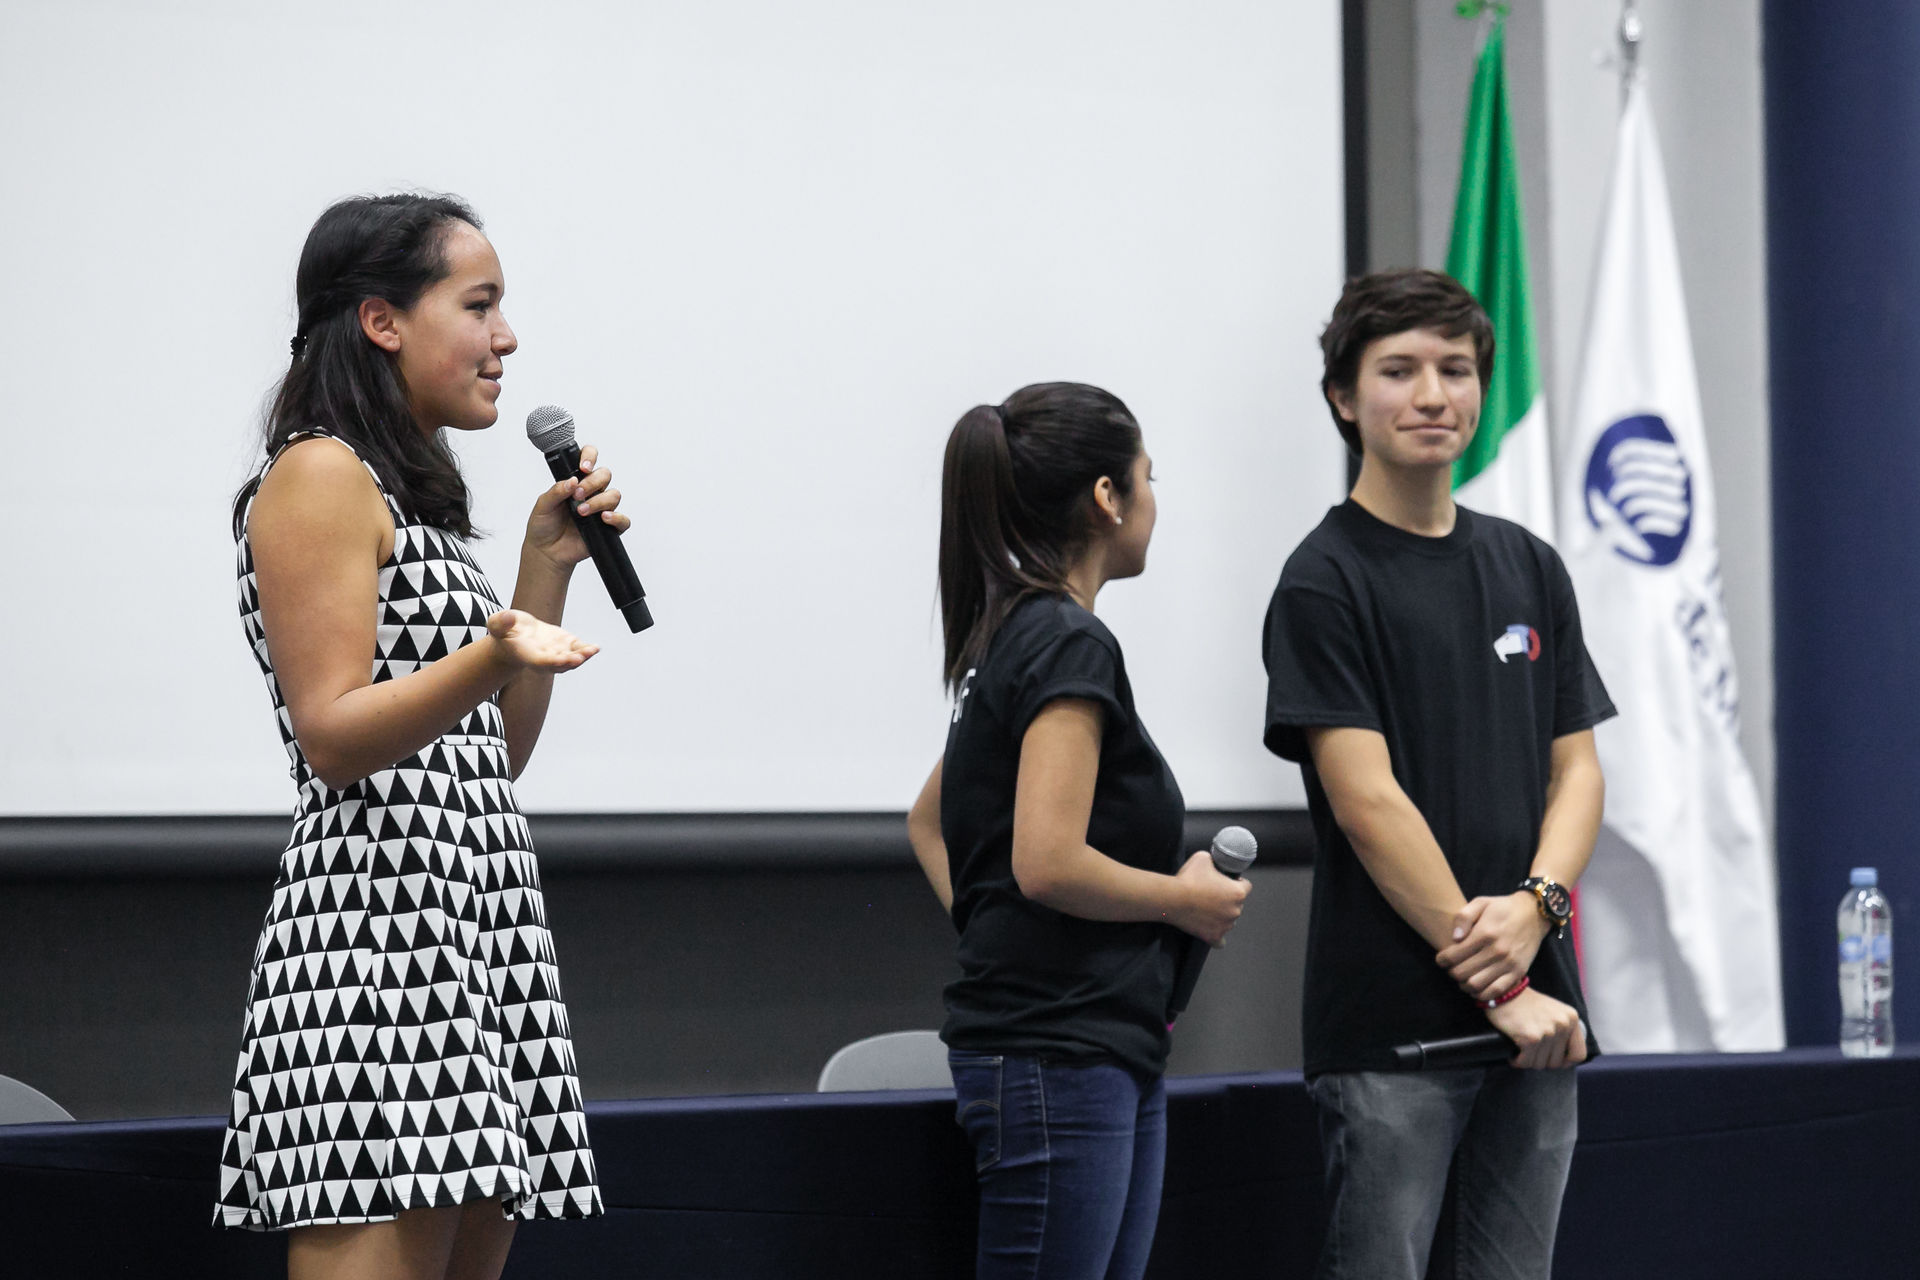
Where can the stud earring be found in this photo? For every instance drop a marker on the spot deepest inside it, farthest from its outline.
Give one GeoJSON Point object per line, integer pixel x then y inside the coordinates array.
{"type": "Point", "coordinates": [1116, 520]}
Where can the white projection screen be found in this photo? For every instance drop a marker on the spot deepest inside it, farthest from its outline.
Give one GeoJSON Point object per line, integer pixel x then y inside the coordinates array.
{"type": "Point", "coordinates": [767, 253]}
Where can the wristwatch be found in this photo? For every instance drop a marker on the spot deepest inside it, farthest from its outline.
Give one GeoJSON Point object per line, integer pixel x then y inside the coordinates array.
{"type": "Point", "coordinates": [1556, 904]}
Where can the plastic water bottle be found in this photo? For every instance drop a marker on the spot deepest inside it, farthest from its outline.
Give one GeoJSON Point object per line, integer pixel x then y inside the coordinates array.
{"type": "Point", "coordinates": [1866, 968]}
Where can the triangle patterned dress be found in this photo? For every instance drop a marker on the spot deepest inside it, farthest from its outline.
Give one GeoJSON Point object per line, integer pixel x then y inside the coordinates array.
{"type": "Point", "coordinates": [405, 1041]}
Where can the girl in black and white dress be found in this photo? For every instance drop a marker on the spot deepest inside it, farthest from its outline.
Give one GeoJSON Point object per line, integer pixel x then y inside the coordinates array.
{"type": "Point", "coordinates": [406, 1087]}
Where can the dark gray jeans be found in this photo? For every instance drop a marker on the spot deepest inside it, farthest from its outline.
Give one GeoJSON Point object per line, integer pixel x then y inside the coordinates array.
{"type": "Point", "coordinates": [1390, 1139]}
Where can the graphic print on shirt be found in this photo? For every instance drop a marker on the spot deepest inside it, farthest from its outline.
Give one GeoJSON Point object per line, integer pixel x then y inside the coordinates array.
{"type": "Point", "coordinates": [960, 698]}
{"type": "Point", "coordinates": [1519, 638]}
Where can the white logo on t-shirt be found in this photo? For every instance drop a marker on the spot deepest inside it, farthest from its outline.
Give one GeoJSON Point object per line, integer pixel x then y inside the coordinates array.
{"type": "Point", "coordinates": [960, 698]}
{"type": "Point", "coordinates": [1519, 640]}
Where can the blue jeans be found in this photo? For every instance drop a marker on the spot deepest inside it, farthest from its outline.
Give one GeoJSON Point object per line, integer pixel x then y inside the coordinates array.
{"type": "Point", "coordinates": [1391, 1138]}
{"type": "Point", "coordinates": [1069, 1158]}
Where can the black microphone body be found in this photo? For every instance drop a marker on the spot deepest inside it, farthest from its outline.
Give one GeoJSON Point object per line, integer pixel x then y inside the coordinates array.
{"type": "Point", "coordinates": [1233, 852]}
{"type": "Point", "coordinates": [1480, 1050]}
{"type": "Point", "coordinates": [553, 427]}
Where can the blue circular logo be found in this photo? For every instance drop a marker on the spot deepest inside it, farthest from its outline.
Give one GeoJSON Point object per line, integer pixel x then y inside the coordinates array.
{"type": "Point", "coordinates": [1639, 491]}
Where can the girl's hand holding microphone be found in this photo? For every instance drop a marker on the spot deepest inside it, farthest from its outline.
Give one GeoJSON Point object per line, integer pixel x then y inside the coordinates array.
{"type": "Point", "coordinates": [1213, 901]}
{"type": "Point", "coordinates": [553, 544]}
{"type": "Point", "coordinates": [551, 531]}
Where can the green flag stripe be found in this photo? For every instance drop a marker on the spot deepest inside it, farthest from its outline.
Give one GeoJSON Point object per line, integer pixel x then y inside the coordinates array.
{"type": "Point", "coordinates": [1488, 255]}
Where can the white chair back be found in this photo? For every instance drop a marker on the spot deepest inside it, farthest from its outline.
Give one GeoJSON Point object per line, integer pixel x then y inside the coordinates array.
{"type": "Point", "coordinates": [897, 1060]}
{"type": "Point", "coordinates": [24, 1104]}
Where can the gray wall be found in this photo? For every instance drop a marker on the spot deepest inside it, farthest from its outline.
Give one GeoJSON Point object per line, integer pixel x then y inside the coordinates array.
{"type": "Point", "coordinates": [1702, 63]}
{"type": "Point", "coordinates": [123, 996]}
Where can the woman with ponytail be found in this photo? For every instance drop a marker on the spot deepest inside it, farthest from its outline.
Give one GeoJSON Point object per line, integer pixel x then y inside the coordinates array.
{"type": "Point", "coordinates": [1051, 832]}
{"type": "Point", "coordinates": [406, 1087]}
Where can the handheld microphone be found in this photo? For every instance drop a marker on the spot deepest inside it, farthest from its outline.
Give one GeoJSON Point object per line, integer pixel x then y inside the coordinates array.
{"type": "Point", "coordinates": [551, 429]}
{"type": "Point", "coordinates": [1482, 1049]}
{"type": "Point", "coordinates": [1234, 850]}
{"type": "Point", "coordinates": [1479, 1050]}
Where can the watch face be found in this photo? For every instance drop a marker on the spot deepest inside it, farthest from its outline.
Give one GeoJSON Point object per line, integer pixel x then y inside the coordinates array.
{"type": "Point", "coordinates": [1559, 901]}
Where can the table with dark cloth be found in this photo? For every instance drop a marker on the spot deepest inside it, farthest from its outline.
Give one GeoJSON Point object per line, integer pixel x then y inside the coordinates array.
{"type": "Point", "coordinates": [1789, 1164]}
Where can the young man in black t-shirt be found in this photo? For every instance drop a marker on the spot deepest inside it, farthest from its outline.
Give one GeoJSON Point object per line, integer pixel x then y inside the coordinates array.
{"type": "Point", "coordinates": [1426, 670]}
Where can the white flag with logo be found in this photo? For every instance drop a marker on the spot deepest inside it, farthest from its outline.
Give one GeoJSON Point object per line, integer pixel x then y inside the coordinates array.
{"type": "Point", "coordinates": [1678, 924]}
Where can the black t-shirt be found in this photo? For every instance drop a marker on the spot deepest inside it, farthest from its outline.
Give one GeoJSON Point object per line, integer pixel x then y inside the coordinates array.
{"type": "Point", "coordinates": [1033, 980]}
{"type": "Point", "coordinates": [1464, 652]}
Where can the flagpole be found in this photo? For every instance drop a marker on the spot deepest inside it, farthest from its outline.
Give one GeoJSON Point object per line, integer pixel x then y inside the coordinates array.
{"type": "Point", "coordinates": [1631, 29]}
{"type": "Point", "coordinates": [1486, 12]}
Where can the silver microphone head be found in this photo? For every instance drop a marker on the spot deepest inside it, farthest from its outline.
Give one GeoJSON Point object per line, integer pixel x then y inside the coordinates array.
{"type": "Point", "coordinates": [1234, 850]}
{"type": "Point", "coordinates": [550, 428]}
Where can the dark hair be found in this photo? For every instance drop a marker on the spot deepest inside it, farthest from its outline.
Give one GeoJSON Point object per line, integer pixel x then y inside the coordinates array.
{"type": "Point", "coordinates": [1383, 303]}
{"type": "Point", "coordinates": [1016, 503]}
{"type": "Point", "coordinates": [339, 382]}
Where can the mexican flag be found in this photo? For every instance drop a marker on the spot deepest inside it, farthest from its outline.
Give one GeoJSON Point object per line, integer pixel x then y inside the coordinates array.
{"type": "Point", "coordinates": [1507, 471]}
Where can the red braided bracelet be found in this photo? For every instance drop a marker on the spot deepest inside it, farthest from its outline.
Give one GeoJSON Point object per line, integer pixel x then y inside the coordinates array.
{"type": "Point", "coordinates": [1506, 995]}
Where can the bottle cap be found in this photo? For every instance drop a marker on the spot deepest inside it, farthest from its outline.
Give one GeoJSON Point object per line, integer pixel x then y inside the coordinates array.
{"type": "Point", "coordinates": [1864, 878]}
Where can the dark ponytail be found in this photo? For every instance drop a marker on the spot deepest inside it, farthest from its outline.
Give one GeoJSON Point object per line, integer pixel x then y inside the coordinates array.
{"type": "Point", "coordinates": [1016, 503]}
{"type": "Point", "coordinates": [390, 247]}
